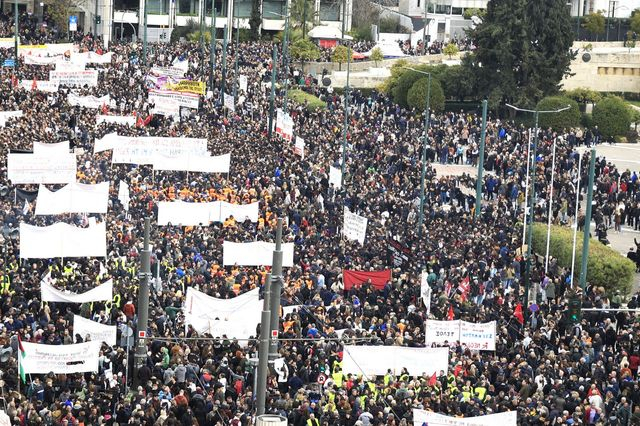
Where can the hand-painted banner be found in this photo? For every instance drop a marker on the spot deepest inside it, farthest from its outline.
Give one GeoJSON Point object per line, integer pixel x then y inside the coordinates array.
{"type": "Point", "coordinates": [98, 294]}
{"type": "Point", "coordinates": [440, 332]}
{"type": "Point", "coordinates": [356, 278]}
{"type": "Point", "coordinates": [75, 78]}
{"type": "Point", "coordinates": [256, 253]}
{"type": "Point", "coordinates": [96, 331]}
{"type": "Point", "coordinates": [298, 148]}
{"type": "Point", "coordinates": [41, 85]}
{"type": "Point", "coordinates": [126, 120]}
{"type": "Point", "coordinates": [32, 168]}
{"type": "Point", "coordinates": [188, 100]}
{"type": "Point", "coordinates": [475, 336]}
{"type": "Point", "coordinates": [354, 226]}
{"type": "Point", "coordinates": [423, 417]}
{"type": "Point", "coordinates": [62, 240]}
{"type": "Point", "coordinates": [173, 72]}
{"type": "Point", "coordinates": [60, 359]}
{"type": "Point", "coordinates": [371, 361]}
{"type": "Point", "coordinates": [187, 86]}
{"type": "Point", "coordinates": [88, 101]}
{"type": "Point", "coordinates": [73, 198]}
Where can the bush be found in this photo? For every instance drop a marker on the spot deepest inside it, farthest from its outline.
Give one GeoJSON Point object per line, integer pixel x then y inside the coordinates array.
{"type": "Point", "coordinates": [305, 50]}
{"type": "Point", "coordinates": [560, 120]}
{"type": "Point", "coordinates": [340, 55]}
{"type": "Point", "coordinates": [612, 117]}
{"type": "Point", "coordinates": [417, 96]}
{"type": "Point", "coordinates": [312, 102]}
{"type": "Point", "coordinates": [586, 120]}
{"type": "Point", "coordinates": [606, 267]}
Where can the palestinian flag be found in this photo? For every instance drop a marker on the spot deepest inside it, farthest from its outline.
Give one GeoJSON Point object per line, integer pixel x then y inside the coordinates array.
{"type": "Point", "coordinates": [21, 356]}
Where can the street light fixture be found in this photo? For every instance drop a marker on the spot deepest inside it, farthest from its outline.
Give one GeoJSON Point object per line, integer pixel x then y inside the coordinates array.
{"type": "Point", "coordinates": [427, 115]}
{"type": "Point", "coordinates": [536, 112]}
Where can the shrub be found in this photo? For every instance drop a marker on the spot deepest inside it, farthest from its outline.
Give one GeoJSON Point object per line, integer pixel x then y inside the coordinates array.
{"type": "Point", "coordinates": [313, 103]}
{"type": "Point", "coordinates": [560, 120]}
{"type": "Point", "coordinates": [340, 55]}
{"type": "Point", "coordinates": [612, 117]}
{"type": "Point", "coordinates": [417, 96]}
{"type": "Point", "coordinates": [305, 50]}
{"type": "Point", "coordinates": [605, 267]}
{"type": "Point", "coordinates": [451, 49]}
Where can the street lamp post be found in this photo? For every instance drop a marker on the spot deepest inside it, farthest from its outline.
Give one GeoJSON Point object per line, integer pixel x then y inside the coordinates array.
{"type": "Point", "coordinates": [214, 12]}
{"type": "Point", "coordinates": [235, 59]}
{"type": "Point", "coordinates": [274, 67]}
{"type": "Point", "coordinates": [423, 175]}
{"type": "Point", "coordinates": [285, 49]}
{"type": "Point", "coordinates": [527, 277]}
{"type": "Point", "coordinates": [483, 132]}
{"type": "Point", "coordinates": [346, 115]}
{"type": "Point", "coordinates": [224, 62]}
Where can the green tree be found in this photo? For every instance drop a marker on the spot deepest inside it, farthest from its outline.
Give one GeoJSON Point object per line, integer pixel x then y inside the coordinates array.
{"type": "Point", "coordinates": [305, 50]}
{"type": "Point", "coordinates": [634, 22]}
{"type": "Point", "coordinates": [376, 55]}
{"type": "Point", "coordinates": [560, 120]}
{"type": "Point", "coordinates": [417, 96]}
{"type": "Point", "coordinates": [59, 11]}
{"type": "Point", "coordinates": [583, 95]}
{"type": "Point", "coordinates": [457, 83]}
{"type": "Point", "coordinates": [340, 55]}
{"type": "Point", "coordinates": [594, 23]}
{"type": "Point", "coordinates": [480, 13]}
{"type": "Point", "coordinates": [255, 20]}
{"type": "Point", "coordinates": [302, 13]}
{"type": "Point", "coordinates": [612, 117]}
{"type": "Point", "coordinates": [523, 50]}
{"type": "Point", "coordinates": [450, 50]}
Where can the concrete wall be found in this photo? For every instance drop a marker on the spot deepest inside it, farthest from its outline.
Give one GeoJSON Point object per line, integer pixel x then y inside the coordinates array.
{"type": "Point", "coordinates": [612, 68]}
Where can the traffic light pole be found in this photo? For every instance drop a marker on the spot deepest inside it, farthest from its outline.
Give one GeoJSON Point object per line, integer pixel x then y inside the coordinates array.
{"type": "Point", "coordinates": [587, 221]}
{"type": "Point", "coordinates": [140, 356]}
{"type": "Point", "coordinates": [276, 288]}
{"type": "Point", "coordinates": [213, 49]}
{"type": "Point", "coordinates": [272, 98]}
{"type": "Point", "coordinates": [481, 161]}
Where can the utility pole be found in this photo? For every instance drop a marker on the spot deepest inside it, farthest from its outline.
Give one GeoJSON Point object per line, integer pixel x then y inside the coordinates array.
{"type": "Point", "coordinates": [346, 118]}
{"type": "Point", "coordinates": [587, 221]}
{"type": "Point", "coordinates": [304, 19]}
{"type": "Point", "coordinates": [263, 350]}
{"type": "Point", "coordinates": [95, 21]}
{"type": "Point", "coordinates": [424, 29]}
{"type": "Point", "coordinates": [144, 36]}
{"type": "Point", "coordinates": [285, 49]}
{"type": "Point", "coordinates": [532, 192]}
{"type": "Point", "coordinates": [140, 356]}
{"type": "Point", "coordinates": [235, 59]}
{"type": "Point", "coordinates": [224, 62]}
{"type": "Point", "coordinates": [15, 37]}
{"type": "Point", "coordinates": [202, 11]}
{"type": "Point", "coordinates": [276, 288]}
{"type": "Point", "coordinates": [274, 66]}
{"type": "Point", "coordinates": [344, 18]}
{"type": "Point", "coordinates": [214, 12]}
{"type": "Point", "coordinates": [481, 160]}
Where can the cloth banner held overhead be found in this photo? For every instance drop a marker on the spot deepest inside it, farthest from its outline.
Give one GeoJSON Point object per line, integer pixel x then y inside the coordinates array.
{"type": "Point", "coordinates": [188, 100]}
{"type": "Point", "coordinates": [75, 78]}
{"type": "Point", "coordinates": [60, 359]}
{"type": "Point", "coordinates": [40, 60]}
{"type": "Point", "coordinates": [478, 336]}
{"type": "Point", "coordinates": [229, 102]}
{"type": "Point", "coordinates": [256, 253]}
{"type": "Point", "coordinates": [440, 332]}
{"type": "Point", "coordinates": [91, 58]}
{"type": "Point", "coordinates": [182, 213]}
{"type": "Point", "coordinates": [43, 149]}
{"type": "Point", "coordinates": [5, 115]}
{"type": "Point", "coordinates": [173, 72]}
{"type": "Point", "coordinates": [32, 168]}
{"type": "Point", "coordinates": [193, 163]}
{"type": "Point", "coordinates": [101, 293]}
{"type": "Point", "coordinates": [354, 226]}
{"type": "Point", "coordinates": [96, 331]}
{"type": "Point", "coordinates": [356, 278]}
{"type": "Point", "coordinates": [126, 120]}
{"type": "Point", "coordinates": [88, 101]}
{"type": "Point", "coordinates": [335, 177]}
{"type": "Point", "coordinates": [62, 240]}
{"type": "Point", "coordinates": [188, 86]}
{"type": "Point", "coordinates": [73, 198]}
{"type": "Point", "coordinates": [284, 125]}
{"type": "Point", "coordinates": [425, 291]}
{"type": "Point", "coordinates": [237, 318]}
{"type": "Point", "coordinates": [376, 360]}
{"type": "Point", "coordinates": [42, 85]}
{"type": "Point", "coordinates": [124, 195]}
{"type": "Point", "coordinates": [423, 417]}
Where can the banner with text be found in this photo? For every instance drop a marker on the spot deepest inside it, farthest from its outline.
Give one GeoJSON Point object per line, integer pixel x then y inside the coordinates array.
{"type": "Point", "coordinates": [377, 360]}
{"type": "Point", "coordinates": [423, 417]}
{"type": "Point", "coordinates": [75, 78]}
{"type": "Point", "coordinates": [42, 85]}
{"type": "Point", "coordinates": [441, 332]}
{"type": "Point", "coordinates": [97, 332]}
{"type": "Point", "coordinates": [187, 100]}
{"type": "Point", "coordinates": [475, 336]}
{"type": "Point", "coordinates": [32, 168]}
{"type": "Point", "coordinates": [355, 226]}
{"type": "Point", "coordinates": [256, 253]}
{"type": "Point", "coordinates": [88, 101]}
{"type": "Point", "coordinates": [125, 120]}
{"type": "Point", "coordinates": [60, 359]}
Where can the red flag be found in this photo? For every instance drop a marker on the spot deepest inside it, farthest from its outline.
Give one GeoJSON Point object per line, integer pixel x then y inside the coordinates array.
{"type": "Point", "coordinates": [14, 81]}
{"type": "Point", "coordinates": [148, 120]}
{"type": "Point", "coordinates": [450, 314]}
{"type": "Point", "coordinates": [105, 109]}
{"type": "Point", "coordinates": [433, 380]}
{"type": "Point", "coordinates": [517, 312]}
{"type": "Point", "coordinates": [34, 84]}
{"type": "Point", "coordinates": [139, 122]}
{"type": "Point", "coordinates": [356, 278]}
{"type": "Point", "coordinates": [20, 348]}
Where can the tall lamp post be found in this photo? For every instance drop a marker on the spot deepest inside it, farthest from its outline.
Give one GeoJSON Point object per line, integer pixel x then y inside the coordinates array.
{"type": "Point", "coordinates": [346, 115]}
{"type": "Point", "coordinates": [423, 176]}
{"type": "Point", "coordinates": [285, 49]}
{"type": "Point", "coordinates": [536, 113]}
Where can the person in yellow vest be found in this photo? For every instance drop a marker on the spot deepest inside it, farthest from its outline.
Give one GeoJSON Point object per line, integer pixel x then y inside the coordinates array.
{"type": "Point", "coordinates": [480, 391]}
{"type": "Point", "coordinates": [467, 392]}
{"type": "Point", "coordinates": [337, 375]}
{"type": "Point", "coordinates": [312, 421]}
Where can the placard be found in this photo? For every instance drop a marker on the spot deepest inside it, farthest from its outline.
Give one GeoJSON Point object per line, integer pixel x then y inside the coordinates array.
{"type": "Point", "coordinates": [355, 226]}
{"type": "Point", "coordinates": [440, 332]}
{"type": "Point", "coordinates": [298, 148]}
{"type": "Point", "coordinates": [96, 331]}
{"type": "Point", "coordinates": [478, 336]}
{"type": "Point", "coordinates": [335, 177]}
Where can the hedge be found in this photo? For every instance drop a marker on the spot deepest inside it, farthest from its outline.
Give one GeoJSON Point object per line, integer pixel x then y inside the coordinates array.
{"type": "Point", "coordinates": [560, 120]}
{"type": "Point", "coordinates": [313, 102]}
{"type": "Point", "coordinates": [606, 267]}
{"type": "Point", "coordinates": [612, 116]}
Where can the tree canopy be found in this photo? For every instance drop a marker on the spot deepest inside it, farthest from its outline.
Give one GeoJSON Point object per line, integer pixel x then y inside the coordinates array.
{"type": "Point", "coordinates": [523, 50]}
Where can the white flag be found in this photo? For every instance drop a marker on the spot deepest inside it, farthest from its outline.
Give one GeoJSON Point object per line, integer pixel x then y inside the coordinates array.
{"type": "Point", "coordinates": [26, 207]}
{"type": "Point", "coordinates": [298, 148]}
{"type": "Point", "coordinates": [229, 102]}
{"type": "Point", "coordinates": [103, 271]}
{"type": "Point", "coordinates": [123, 195]}
{"type": "Point", "coordinates": [425, 292]}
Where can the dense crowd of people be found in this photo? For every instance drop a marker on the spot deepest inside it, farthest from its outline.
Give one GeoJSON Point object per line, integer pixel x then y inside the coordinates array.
{"type": "Point", "coordinates": [546, 368]}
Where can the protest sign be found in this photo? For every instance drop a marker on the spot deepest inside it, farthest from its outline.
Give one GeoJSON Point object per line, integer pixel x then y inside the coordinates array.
{"type": "Point", "coordinates": [188, 100]}
{"type": "Point", "coordinates": [32, 168]}
{"type": "Point", "coordinates": [423, 417]}
{"type": "Point", "coordinates": [75, 78]}
{"type": "Point", "coordinates": [256, 253]}
{"type": "Point", "coordinates": [377, 360]}
{"type": "Point", "coordinates": [60, 359]}
{"type": "Point", "coordinates": [96, 331]}
{"type": "Point", "coordinates": [174, 72]}
{"type": "Point", "coordinates": [42, 85]}
{"type": "Point", "coordinates": [478, 336]}
{"type": "Point", "coordinates": [62, 240]}
{"type": "Point", "coordinates": [126, 120]}
{"type": "Point", "coordinates": [355, 278]}
{"type": "Point", "coordinates": [88, 101]}
{"type": "Point", "coordinates": [51, 294]}
{"type": "Point", "coordinates": [440, 332]}
{"type": "Point", "coordinates": [73, 198]}
{"type": "Point", "coordinates": [43, 149]}
{"type": "Point", "coordinates": [188, 86]}
{"type": "Point", "coordinates": [229, 102]}
{"type": "Point", "coordinates": [354, 226]}
{"type": "Point", "coordinates": [193, 163]}
{"type": "Point", "coordinates": [5, 115]}
{"type": "Point", "coordinates": [335, 177]}
{"type": "Point", "coordinates": [425, 291]}
{"type": "Point", "coordinates": [298, 148]}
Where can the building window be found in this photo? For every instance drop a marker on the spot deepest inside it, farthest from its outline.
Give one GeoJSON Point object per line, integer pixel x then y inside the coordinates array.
{"type": "Point", "coordinates": [188, 7]}
{"type": "Point", "coordinates": [273, 9]}
{"type": "Point", "coordinates": [418, 3]}
{"type": "Point", "coordinates": [443, 9]}
{"type": "Point", "coordinates": [456, 11]}
{"type": "Point", "coordinates": [242, 8]}
{"type": "Point", "coordinates": [158, 7]}
{"type": "Point", "coordinates": [221, 7]}
{"type": "Point", "coordinates": [329, 10]}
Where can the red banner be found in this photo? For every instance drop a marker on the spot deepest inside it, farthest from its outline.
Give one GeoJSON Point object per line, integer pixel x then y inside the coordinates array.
{"type": "Point", "coordinates": [357, 278]}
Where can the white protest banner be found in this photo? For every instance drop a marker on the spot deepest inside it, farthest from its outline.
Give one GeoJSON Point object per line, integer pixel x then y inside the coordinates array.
{"type": "Point", "coordinates": [73, 198]}
{"type": "Point", "coordinates": [43, 50]}
{"type": "Point", "coordinates": [173, 72]}
{"type": "Point", "coordinates": [88, 101]}
{"type": "Point", "coordinates": [166, 107]}
{"type": "Point", "coordinates": [32, 168]}
{"type": "Point", "coordinates": [62, 240]}
{"type": "Point", "coordinates": [193, 163]}
{"type": "Point", "coordinates": [440, 332]}
{"type": "Point", "coordinates": [40, 60]}
{"type": "Point", "coordinates": [240, 212]}
{"type": "Point", "coordinates": [8, 42]}
{"type": "Point", "coordinates": [75, 78]}
{"type": "Point", "coordinates": [98, 294]}
{"type": "Point", "coordinates": [425, 292]}
{"type": "Point", "coordinates": [376, 360]}
{"type": "Point", "coordinates": [5, 420]}
{"type": "Point", "coordinates": [42, 85]}
{"type": "Point", "coordinates": [147, 149]}
{"type": "Point", "coordinates": [237, 318]}
{"type": "Point", "coordinates": [5, 115]}
{"type": "Point", "coordinates": [96, 331]}
{"type": "Point", "coordinates": [335, 177]}
{"type": "Point", "coordinates": [478, 336]}
{"type": "Point", "coordinates": [423, 417]}
{"type": "Point", "coordinates": [91, 58]}
{"type": "Point", "coordinates": [256, 253]}
{"type": "Point", "coordinates": [42, 149]}
{"type": "Point", "coordinates": [183, 99]}
{"type": "Point", "coordinates": [354, 226]}
{"type": "Point", "coordinates": [180, 213]}
{"type": "Point", "coordinates": [298, 148]}
{"type": "Point", "coordinates": [64, 65]}
{"type": "Point", "coordinates": [123, 195]}
{"type": "Point", "coordinates": [125, 120]}
{"type": "Point", "coordinates": [242, 83]}
{"type": "Point", "coordinates": [60, 359]}
{"type": "Point", "coordinates": [284, 125]}
{"type": "Point", "coordinates": [229, 102]}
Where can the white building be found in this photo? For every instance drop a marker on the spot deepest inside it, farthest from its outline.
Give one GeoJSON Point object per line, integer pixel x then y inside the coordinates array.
{"type": "Point", "coordinates": [610, 8]}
